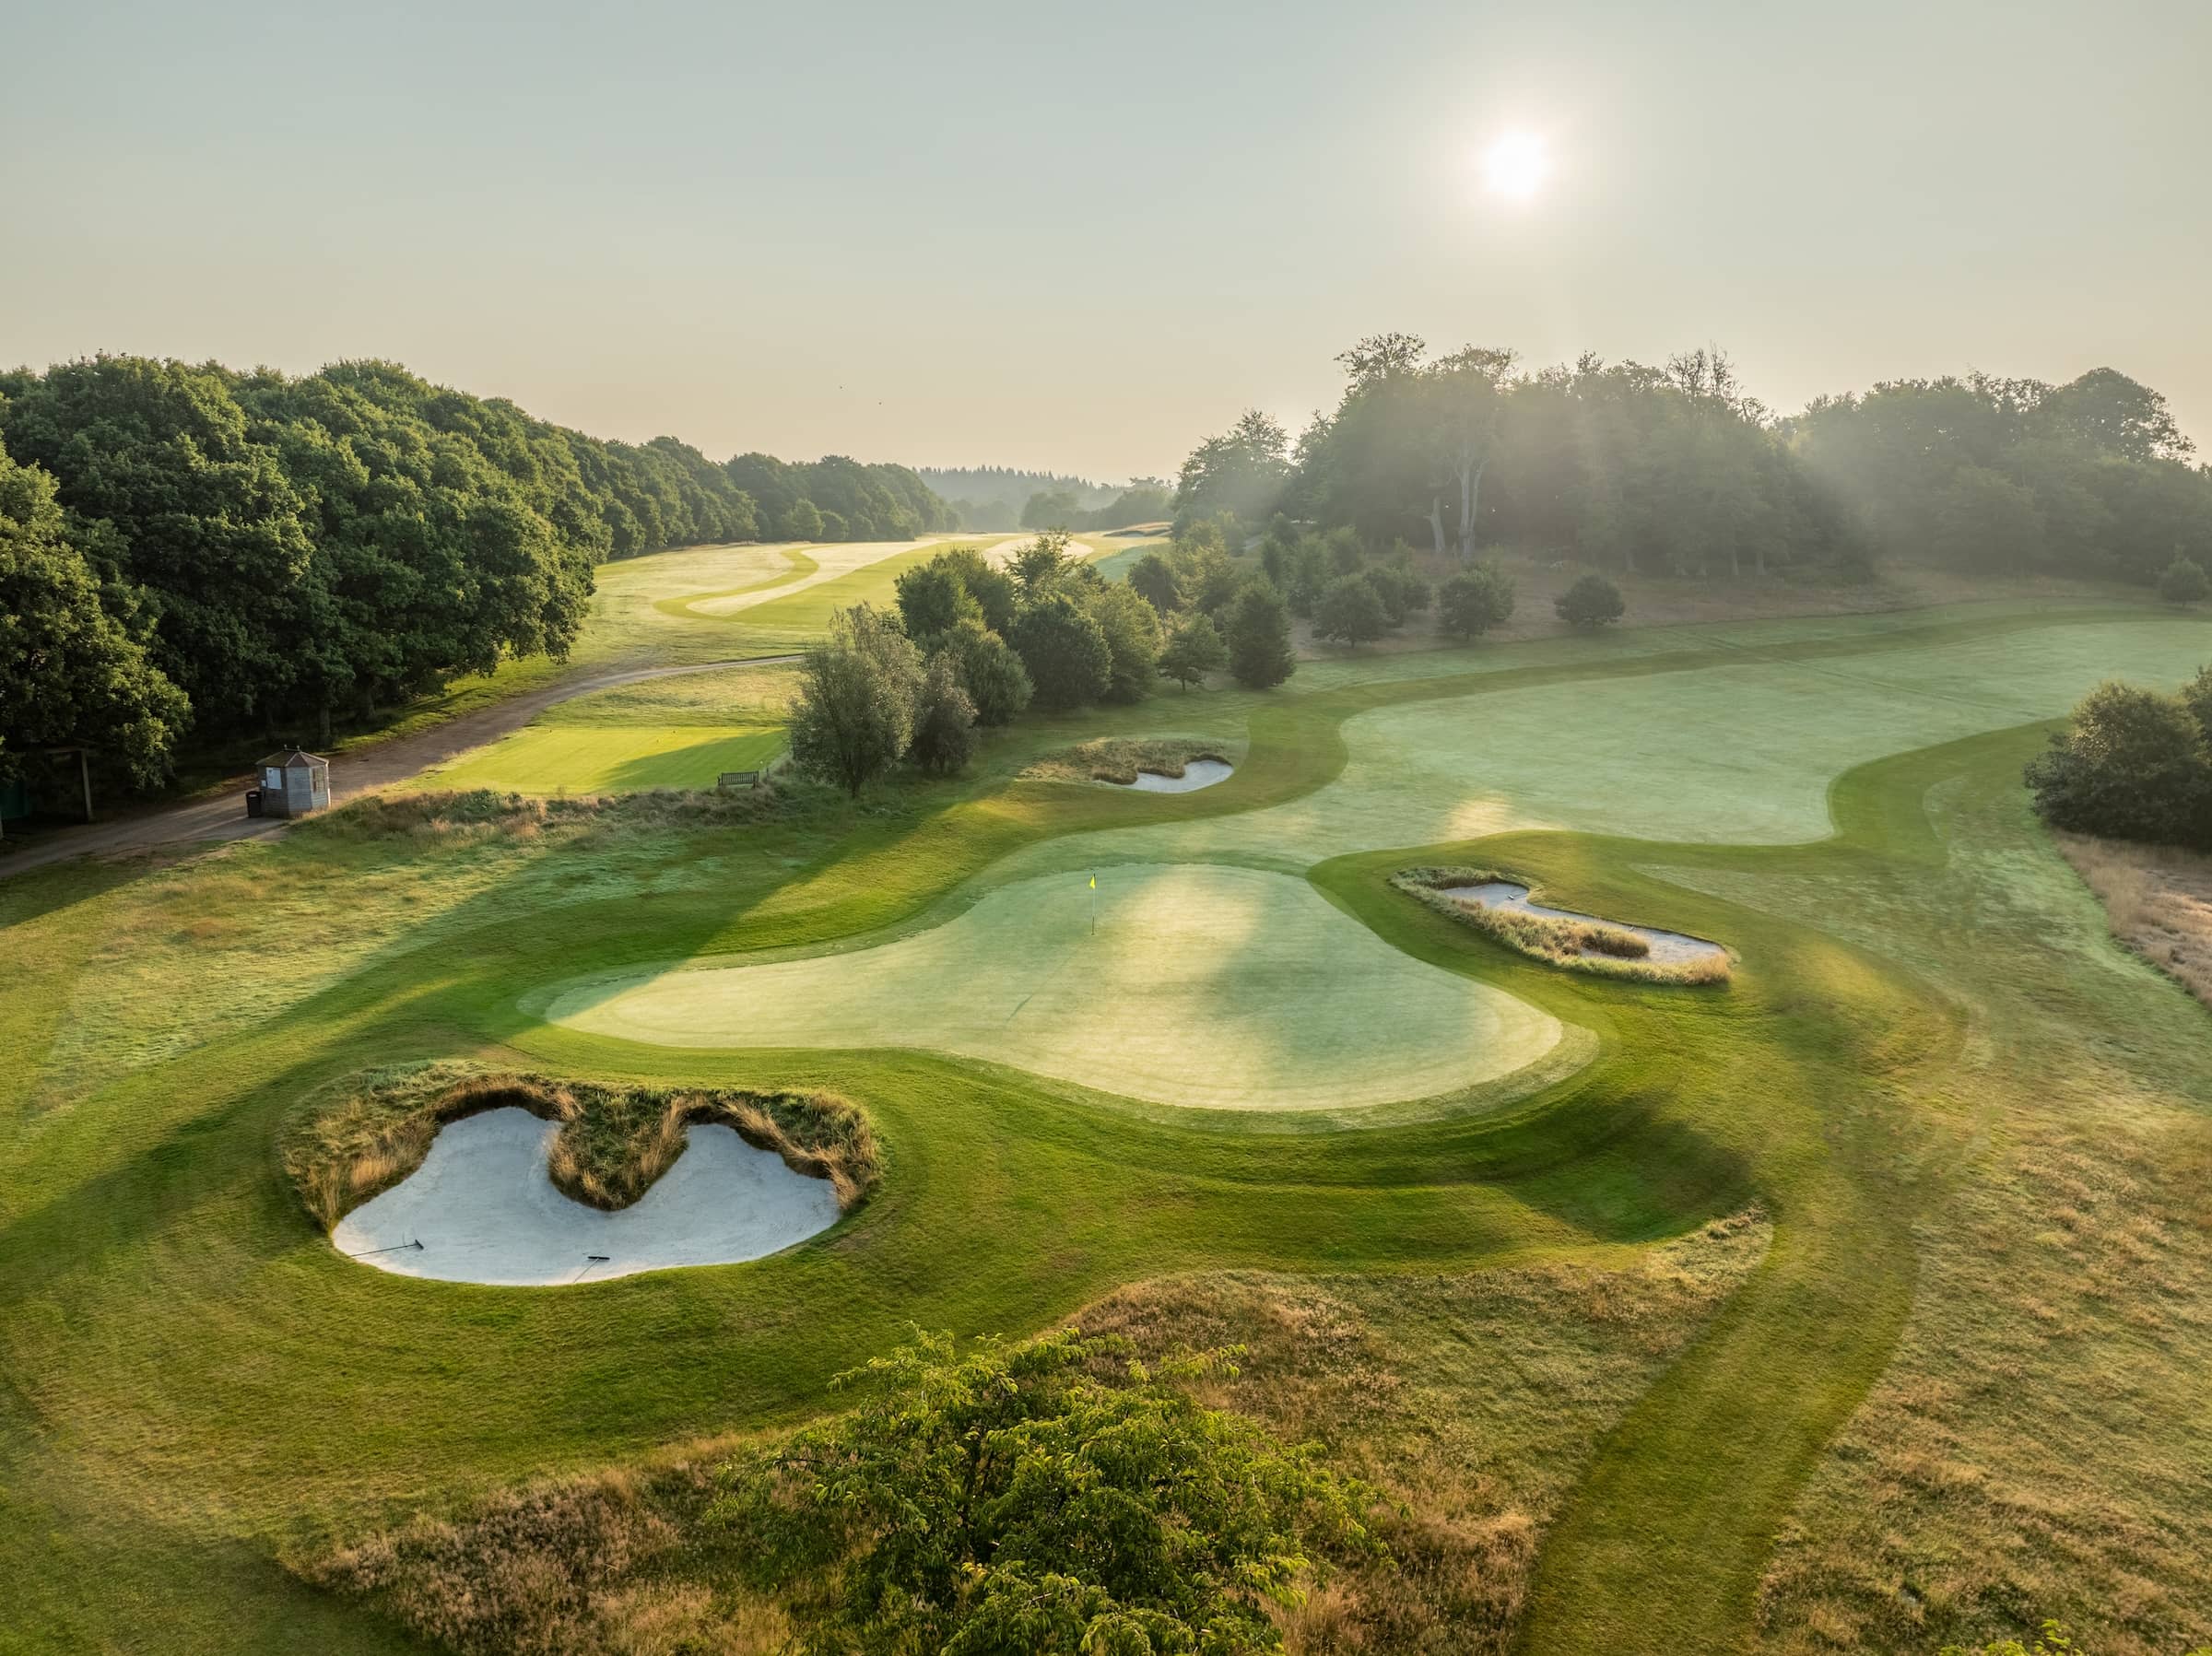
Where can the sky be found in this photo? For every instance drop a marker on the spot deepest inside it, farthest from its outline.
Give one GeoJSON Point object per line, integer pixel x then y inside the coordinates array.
{"type": "Point", "coordinates": [1081, 238]}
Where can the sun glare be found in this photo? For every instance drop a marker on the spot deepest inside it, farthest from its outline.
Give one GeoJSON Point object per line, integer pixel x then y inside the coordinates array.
{"type": "Point", "coordinates": [1515, 165]}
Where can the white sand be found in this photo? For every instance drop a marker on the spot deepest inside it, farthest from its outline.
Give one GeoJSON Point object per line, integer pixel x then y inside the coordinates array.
{"type": "Point", "coordinates": [1198, 773]}
{"type": "Point", "coordinates": [484, 1210]}
{"type": "Point", "coordinates": [1668, 949]}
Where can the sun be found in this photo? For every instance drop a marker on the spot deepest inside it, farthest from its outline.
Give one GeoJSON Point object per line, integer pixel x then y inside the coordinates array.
{"type": "Point", "coordinates": [1515, 164]}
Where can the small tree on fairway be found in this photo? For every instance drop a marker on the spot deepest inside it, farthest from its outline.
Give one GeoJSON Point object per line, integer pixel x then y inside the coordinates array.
{"type": "Point", "coordinates": [1065, 651]}
{"type": "Point", "coordinates": [1131, 628]}
{"type": "Point", "coordinates": [990, 671]}
{"type": "Point", "coordinates": [1471, 603]}
{"type": "Point", "coordinates": [855, 708]}
{"type": "Point", "coordinates": [1153, 578]}
{"type": "Point", "coordinates": [2184, 583]}
{"type": "Point", "coordinates": [944, 738]}
{"type": "Point", "coordinates": [1350, 610]}
{"type": "Point", "coordinates": [1259, 638]}
{"type": "Point", "coordinates": [1049, 1498]}
{"type": "Point", "coordinates": [1591, 602]}
{"type": "Point", "coordinates": [1195, 648]}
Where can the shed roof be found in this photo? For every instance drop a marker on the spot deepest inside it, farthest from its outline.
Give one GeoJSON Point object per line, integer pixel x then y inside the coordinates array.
{"type": "Point", "coordinates": [293, 756]}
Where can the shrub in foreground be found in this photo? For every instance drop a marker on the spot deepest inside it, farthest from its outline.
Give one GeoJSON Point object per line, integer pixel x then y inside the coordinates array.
{"type": "Point", "coordinates": [1591, 602]}
{"type": "Point", "coordinates": [2132, 764]}
{"type": "Point", "coordinates": [1049, 1497]}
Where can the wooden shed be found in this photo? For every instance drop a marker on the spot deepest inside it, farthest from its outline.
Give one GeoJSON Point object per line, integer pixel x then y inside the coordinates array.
{"type": "Point", "coordinates": [293, 784]}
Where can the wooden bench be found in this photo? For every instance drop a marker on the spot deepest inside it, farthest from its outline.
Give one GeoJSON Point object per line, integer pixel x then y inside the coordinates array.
{"type": "Point", "coordinates": [737, 779]}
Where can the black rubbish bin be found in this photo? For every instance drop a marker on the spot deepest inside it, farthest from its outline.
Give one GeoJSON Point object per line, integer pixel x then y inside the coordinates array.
{"type": "Point", "coordinates": [252, 802]}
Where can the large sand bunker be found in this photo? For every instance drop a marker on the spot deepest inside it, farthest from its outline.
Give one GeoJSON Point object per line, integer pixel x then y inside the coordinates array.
{"type": "Point", "coordinates": [483, 1209]}
{"type": "Point", "coordinates": [1211, 986]}
{"type": "Point", "coordinates": [1196, 774]}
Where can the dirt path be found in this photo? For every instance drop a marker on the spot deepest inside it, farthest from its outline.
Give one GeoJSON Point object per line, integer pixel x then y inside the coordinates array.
{"type": "Point", "coordinates": [382, 765]}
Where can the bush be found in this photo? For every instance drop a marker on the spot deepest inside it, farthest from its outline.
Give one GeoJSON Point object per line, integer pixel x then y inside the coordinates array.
{"type": "Point", "coordinates": [944, 738]}
{"type": "Point", "coordinates": [1471, 603]}
{"type": "Point", "coordinates": [1351, 611]}
{"type": "Point", "coordinates": [1130, 626]}
{"type": "Point", "coordinates": [1591, 602]}
{"type": "Point", "coordinates": [993, 589]}
{"type": "Point", "coordinates": [1193, 649]}
{"type": "Point", "coordinates": [990, 671]}
{"type": "Point", "coordinates": [2184, 583]}
{"type": "Point", "coordinates": [2132, 764]}
{"type": "Point", "coordinates": [932, 599]}
{"type": "Point", "coordinates": [1064, 652]}
{"type": "Point", "coordinates": [1050, 1498]}
{"type": "Point", "coordinates": [855, 712]}
{"type": "Point", "coordinates": [1153, 578]}
{"type": "Point", "coordinates": [1259, 638]}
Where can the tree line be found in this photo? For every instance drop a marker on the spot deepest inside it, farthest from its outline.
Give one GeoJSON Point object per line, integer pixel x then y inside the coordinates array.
{"type": "Point", "coordinates": [970, 646]}
{"type": "Point", "coordinates": [1677, 470]}
{"type": "Point", "coordinates": [189, 548]}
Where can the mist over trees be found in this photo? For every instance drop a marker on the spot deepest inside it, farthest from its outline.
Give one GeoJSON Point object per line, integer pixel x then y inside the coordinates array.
{"type": "Point", "coordinates": [1678, 471]}
{"type": "Point", "coordinates": [993, 497]}
{"type": "Point", "coordinates": [191, 548]}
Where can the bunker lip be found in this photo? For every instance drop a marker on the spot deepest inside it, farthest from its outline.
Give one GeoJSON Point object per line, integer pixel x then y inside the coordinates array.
{"type": "Point", "coordinates": [1196, 774]}
{"type": "Point", "coordinates": [483, 1208]}
{"type": "Point", "coordinates": [1668, 949]}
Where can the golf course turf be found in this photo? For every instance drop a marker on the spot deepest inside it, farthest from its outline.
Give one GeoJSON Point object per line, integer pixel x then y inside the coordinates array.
{"type": "Point", "coordinates": [200, 1386]}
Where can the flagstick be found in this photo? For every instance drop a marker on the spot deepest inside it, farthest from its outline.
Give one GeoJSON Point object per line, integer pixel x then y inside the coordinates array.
{"type": "Point", "coordinates": [1094, 905]}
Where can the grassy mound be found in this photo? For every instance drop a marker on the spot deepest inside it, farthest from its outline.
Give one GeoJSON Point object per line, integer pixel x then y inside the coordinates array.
{"type": "Point", "coordinates": [1119, 759]}
{"type": "Point", "coordinates": [366, 1133]}
{"type": "Point", "coordinates": [1590, 946]}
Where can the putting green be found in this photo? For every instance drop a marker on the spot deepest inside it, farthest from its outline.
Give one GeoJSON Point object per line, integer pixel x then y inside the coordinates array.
{"type": "Point", "coordinates": [1731, 755]}
{"type": "Point", "coordinates": [1222, 988]}
{"type": "Point", "coordinates": [589, 759]}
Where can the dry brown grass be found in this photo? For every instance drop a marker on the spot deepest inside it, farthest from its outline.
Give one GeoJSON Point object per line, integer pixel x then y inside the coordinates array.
{"type": "Point", "coordinates": [366, 1133]}
{"type": "Point", "coordinates": [560, 1569]}
{"type": "Point", "coordinates": [2159, 899]}
{"type": "Point", "coordinates": [1119, 759]}
{"type": "Point", "coordinates": [482, 814]}
{"type": "Point", "coordinates": [1589, 946]}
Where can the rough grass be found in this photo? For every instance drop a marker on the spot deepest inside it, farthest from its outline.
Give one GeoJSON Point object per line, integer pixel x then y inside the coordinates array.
{"type": "Point", "coordinates": [1119, 759]}
{"type": "Point", "coordinates": [556, 759]}
{"type": "Point", "coordinates": [2159, 901]}
{"type": "Point", "coordinates": [1590, 946]}
{"type": "Point", "coordinates": [1470, 1401]}
{"type": "Point", "coordinates": [366, 1133]}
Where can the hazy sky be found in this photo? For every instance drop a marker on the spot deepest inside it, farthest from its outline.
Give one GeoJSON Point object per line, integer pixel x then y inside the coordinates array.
{"type": "Point", "coordinates": [1082, 237]}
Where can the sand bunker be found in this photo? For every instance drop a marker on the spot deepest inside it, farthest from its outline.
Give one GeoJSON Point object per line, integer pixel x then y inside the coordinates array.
{"type": "Point", "coordinates": [1668, 949]}
{"type": "Point", "coordinates": [483, 1209]}
{"type": "Point", "coordinates": [1198, 773]}
{"type": "Point", "coordinates": [1227, 988]}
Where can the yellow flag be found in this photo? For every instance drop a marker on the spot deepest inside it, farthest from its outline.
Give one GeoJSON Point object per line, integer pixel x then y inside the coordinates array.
{"type": "Point", "coordinates": [1094, 882]}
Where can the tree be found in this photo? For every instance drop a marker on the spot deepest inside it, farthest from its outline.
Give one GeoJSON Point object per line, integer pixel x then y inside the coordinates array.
{"type": "Point", "coordinates": [932, 599]}
{"type": "Point", "coordinates": [1193, 649]}
{"type": "Point", "coordinates": [854, 713]}
{"type": "Point", "coordinates": [1465, 404]}
{"type": "Point", "coordinates": [1065, 651]}
{"type": "Point", "coordinates": [993, 589]}
{"type": "Point", "coordinates": [1153, 578]}
{"type": "Point", "coordinates": [802, 521]}
{"type": "Point", "coordinates": [1350, 610]}
{"type": "Point", "coordinates": [944, 738]}
{"type": "Point", "coordinates": [1259, 638]}
{"type": "Point", "coordinates": [990, 673]}
{"type": "Point", "coordinates": [2132, 764]}
{"type": "Point", "coordinates": [70, 673]}
{"type": "Point", "coordinates": [1040, 563]}
{"type": "Point", "coordinates": [1472, 602]}
{"type": "Point", "coordinates": [1402, 591]}
{"type": "Point", "coordinates": [2183, 582]}
{"type": "Point", "coordinates": [1051, 508]}
{"type": "Point", "coordinates": [1590, 603]}
{"type": "Point", "coordinates": [1131, 628]}
{"type": "Point", "coordinates": [1053, 1498]}
{"type": "Point", "coordinates": [1244, 471]}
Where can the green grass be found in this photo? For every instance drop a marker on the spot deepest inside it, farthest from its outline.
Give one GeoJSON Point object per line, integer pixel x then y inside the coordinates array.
{"type": "Point", "coordinates": [582, 758]}
{"type": "Point", "coordinates": [197, 1385]}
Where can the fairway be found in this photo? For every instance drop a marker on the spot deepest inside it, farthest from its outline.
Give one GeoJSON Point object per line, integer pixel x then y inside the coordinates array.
{"type": "Point", "coordinates": [1206, 986]}
{"type": "Point", "coordinates": [585, 758]}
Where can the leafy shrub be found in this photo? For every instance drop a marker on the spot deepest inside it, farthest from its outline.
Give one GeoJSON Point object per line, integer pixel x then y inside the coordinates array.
{"type": "Point", "coordinates": [853, 714]}
{"type": "Point", "coordinates": [1064, 652]}
{"type": "Point", "coordinates": [1591, 602]}
{"type": "Point", "coordinates": [2184, 583]}
{"type": "Point", "coordinates": [1259, 638]}
{"type": "Point", "coordinates": [990, 671]}
{"type": "Point", "coordinates": [1050, 1498]}
{"type": "Point", "coordinates": [2132, 764]}
{"type": "Point", "coordinates": [1472, 602]}
{"type": "Point", "coordinates": [1350, 611]}
{"type": "Point", "coordinates": [1131, 628]}
{"type": "Point", "coordinates": [1193, 649]}
{"type": "Point", "coordinates": [945, 739]}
